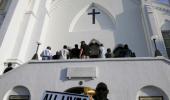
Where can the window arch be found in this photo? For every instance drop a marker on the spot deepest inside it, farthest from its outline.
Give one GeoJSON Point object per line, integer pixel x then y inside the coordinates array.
{"type": "Point", "coordinates": [18, 93]}
{"type": "Point", "coordinates": [151, 92]}
{"type": "Point", "coordinates": [105, 17]}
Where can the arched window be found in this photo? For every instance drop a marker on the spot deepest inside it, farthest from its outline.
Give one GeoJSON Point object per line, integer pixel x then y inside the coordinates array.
{"type": "Point", "coordinates": [18, 93]}
{"type": "Point", "coordinates": [151, 93]}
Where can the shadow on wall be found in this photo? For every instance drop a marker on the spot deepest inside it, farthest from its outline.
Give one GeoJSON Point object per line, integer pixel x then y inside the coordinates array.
{"type": "Point", "coordinates": [128, 21]}
{"type": "Point", "coordinates": [130, 28]}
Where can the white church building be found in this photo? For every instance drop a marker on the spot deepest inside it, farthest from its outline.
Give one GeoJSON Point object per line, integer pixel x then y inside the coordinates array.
{"type": "Point", "coordinates": [142, 24]}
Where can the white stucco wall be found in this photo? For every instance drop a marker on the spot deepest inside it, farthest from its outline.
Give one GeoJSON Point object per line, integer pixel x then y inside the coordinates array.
{"type": "Point", "coordinates": [50, 23]}
{"type": "Point", "coordinates": [124, 14]}
{"type": "Point", "coordinates": [125, 77]}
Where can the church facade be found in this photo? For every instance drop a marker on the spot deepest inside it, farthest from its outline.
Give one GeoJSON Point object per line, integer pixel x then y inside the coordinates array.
{"type": "Point", "coordinates": [142, 24]}
{"type": "Point", "coordinates": [60, 22]}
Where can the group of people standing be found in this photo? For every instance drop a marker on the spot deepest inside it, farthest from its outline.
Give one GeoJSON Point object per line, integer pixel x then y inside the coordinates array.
{"type": "Point", "coordinates": [91, 50]}
{"type": "Point", "coordinates": [122, 51]}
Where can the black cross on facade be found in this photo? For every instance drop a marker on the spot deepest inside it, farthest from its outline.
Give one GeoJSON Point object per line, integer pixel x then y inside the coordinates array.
{"type": "Point", "coordinates": [93, 13]}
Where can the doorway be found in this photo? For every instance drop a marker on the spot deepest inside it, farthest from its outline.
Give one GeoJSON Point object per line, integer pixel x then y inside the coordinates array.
{"type": "Point", "coordinates": [166, 37]}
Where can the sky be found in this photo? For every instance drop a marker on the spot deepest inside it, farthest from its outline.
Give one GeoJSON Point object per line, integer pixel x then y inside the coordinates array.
{"type": "Point", "coordinates": [164, 1]}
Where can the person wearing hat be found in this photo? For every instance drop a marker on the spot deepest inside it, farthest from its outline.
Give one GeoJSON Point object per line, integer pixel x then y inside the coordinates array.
{"type": "Point", "coordinates": [101, 91]}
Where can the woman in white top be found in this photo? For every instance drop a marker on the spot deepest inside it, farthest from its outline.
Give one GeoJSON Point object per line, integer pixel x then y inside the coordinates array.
{"type": "Point", "coordinates": [102, 51]}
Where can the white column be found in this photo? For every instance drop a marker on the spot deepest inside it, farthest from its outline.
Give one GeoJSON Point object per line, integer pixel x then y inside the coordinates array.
{"type": "Point", "coordinates": [24, 25]}
{"type": "Point", "coordinates": [10, 28]}
{"type": "Point", "coordinates": [34, 29]}
{"type": "Point", "coordinates": [152, 29]}
{"type": "Point", "coordinates": [30, 19]}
